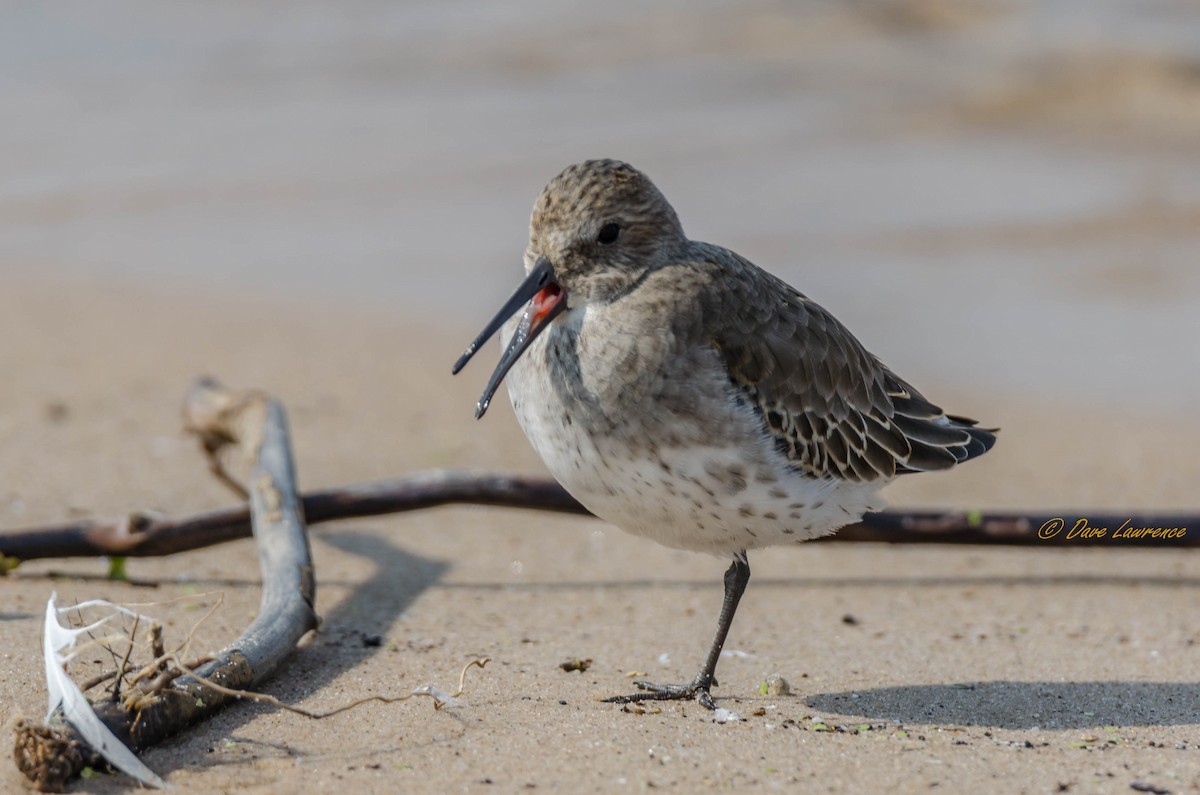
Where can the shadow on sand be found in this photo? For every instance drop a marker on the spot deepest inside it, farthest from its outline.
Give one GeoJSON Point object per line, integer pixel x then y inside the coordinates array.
{"type": "Point", "coordinates": [1022, 705]}
{"type": "Point", "coordinates": [398, 580]}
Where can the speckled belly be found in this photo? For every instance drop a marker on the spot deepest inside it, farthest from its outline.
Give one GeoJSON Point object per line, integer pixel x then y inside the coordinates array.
{"type": "Point", "coordinates": [720, 499]}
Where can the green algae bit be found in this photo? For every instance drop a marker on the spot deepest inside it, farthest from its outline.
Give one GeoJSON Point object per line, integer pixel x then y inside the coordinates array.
{"type": "Point", "coordinates": [116, 568]}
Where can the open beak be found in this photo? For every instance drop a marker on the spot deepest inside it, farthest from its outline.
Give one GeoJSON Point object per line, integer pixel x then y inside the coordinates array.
{"type": "Point", "coordinates": [546, 300]}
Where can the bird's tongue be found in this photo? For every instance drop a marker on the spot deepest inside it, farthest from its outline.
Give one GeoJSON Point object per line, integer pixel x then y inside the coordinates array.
{"type": "Point", "coordinates": [543, 302]}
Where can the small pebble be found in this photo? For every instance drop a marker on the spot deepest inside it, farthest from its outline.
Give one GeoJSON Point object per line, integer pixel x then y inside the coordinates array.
{"type": "Point", "coordinates": [778, 686]}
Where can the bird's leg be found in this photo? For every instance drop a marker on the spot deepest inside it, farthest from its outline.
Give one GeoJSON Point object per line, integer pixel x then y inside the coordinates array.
{"type": "Point", "coordinates": [736, 577]}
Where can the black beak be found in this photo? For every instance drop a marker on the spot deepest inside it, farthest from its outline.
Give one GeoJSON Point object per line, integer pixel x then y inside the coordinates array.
{"type": "Point", "coordinates": [550, 301]}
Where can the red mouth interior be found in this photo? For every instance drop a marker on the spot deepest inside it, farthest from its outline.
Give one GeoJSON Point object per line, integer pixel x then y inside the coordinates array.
{"type": "Point", "coordinates": [544, 301]}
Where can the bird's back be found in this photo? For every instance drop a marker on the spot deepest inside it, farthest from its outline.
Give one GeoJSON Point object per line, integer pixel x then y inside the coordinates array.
{"type": "Point", "coordinates": [831, 407]}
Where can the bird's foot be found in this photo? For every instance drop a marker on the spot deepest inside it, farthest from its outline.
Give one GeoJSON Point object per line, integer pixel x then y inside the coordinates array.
{"type": "Point", "coordinates": [698, 690]}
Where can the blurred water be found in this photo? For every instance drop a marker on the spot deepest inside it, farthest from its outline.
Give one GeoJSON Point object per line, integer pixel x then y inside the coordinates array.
{"type": "Point", "coordinates": [1009, 189]}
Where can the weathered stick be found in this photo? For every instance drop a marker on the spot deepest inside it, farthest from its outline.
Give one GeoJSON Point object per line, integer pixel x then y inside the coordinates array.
{"type": "Point", "coordinates": [147, 534]}
{"type": "Point", "coordinates": [257, 427]}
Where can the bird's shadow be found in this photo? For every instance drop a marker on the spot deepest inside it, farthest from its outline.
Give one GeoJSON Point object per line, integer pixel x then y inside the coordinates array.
{"type": "Point", "coordinates": [1022, 705]}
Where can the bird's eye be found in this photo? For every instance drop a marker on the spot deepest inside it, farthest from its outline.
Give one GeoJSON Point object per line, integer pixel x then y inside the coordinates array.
{"type": "Point", "coordinates": [608, 234]}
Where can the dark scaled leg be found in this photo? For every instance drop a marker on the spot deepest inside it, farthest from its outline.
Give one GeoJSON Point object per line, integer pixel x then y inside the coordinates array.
{"type": "Point", "coordinates": [736, 578]}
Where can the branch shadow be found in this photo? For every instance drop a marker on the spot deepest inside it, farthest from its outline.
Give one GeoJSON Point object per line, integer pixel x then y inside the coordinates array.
{"type": "Point", "coordinates": [398, 580]}
{"type": "Point", "coordinates": [1022, 705]}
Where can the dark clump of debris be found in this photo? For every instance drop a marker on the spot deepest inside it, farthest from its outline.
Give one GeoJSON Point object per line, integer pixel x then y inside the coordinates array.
{"type": "Point", "coordinates": [575, 665]}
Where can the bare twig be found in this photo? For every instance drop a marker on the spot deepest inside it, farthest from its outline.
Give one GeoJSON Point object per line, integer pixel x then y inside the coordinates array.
{"type": "Point", "coordinates": [147, 535]}
{"type": "Point", "coordinates": [440, 698]}
{"type": "Point", "coordinates": [116, 691]}
{"type": "Point", "coordinates": [104, 676]}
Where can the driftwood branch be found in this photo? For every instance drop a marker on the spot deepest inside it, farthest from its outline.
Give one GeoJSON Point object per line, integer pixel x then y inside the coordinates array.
{"type": "Point", "coordinates": [255, 427]}
{"type": "Point", "coordinates": [147, 534]}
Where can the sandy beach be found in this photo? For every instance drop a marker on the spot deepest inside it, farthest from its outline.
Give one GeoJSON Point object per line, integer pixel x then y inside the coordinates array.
{"type": "Point", "coordinates": [334, 227]}
{"type": "Point", "coordinates": [985, 668]}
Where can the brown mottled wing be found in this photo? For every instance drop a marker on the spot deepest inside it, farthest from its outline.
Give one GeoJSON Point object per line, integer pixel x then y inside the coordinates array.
{"type": "Point", "coordinates": [833, 408]}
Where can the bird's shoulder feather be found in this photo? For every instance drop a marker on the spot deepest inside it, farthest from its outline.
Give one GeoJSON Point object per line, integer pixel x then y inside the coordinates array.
{"type": "Point", "coordinates": [832, 408]}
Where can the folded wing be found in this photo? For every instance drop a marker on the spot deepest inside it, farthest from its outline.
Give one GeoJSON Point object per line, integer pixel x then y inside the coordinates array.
{"type": "Point", "coordinates": [832, 408]}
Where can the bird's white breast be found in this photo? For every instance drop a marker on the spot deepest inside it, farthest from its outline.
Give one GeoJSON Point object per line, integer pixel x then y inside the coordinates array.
{"type": "Point", "coordinates": [720, 491]}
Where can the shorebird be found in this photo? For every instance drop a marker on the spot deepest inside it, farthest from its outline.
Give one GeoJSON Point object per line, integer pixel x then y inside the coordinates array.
{"type": "Point", "coordinates": [686, 395]}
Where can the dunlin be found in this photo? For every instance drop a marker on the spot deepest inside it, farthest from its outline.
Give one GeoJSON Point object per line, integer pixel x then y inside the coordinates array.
{"type": "Point", "coordinates": [683, 394]}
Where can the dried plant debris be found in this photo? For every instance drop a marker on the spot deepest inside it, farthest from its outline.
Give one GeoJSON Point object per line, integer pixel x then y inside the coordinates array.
{"type": "Point", "coordinates": [60, 645]}
{"type": "Point", "coordinates": [47, 756]}
{"type": "Point", "coordinates": [440, 697]}
{"type": "Point", "coordinates": [575, 664]}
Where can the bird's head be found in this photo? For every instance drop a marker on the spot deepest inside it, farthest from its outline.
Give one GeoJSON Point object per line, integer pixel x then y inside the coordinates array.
{"type": "Point", "coordinates": [601, 225]}
{"type": "Point", "coordinates": [597, 228]}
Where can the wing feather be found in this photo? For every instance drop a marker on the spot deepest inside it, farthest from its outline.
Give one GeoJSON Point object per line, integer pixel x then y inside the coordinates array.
{"type": "Point", "coordinates": [832, 408]}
